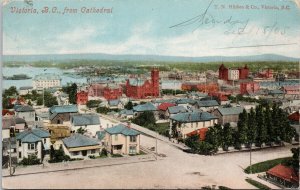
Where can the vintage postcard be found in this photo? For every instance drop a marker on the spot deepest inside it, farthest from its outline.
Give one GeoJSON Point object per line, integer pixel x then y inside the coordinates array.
{"type": "Point", "coordinates": [160, 94]}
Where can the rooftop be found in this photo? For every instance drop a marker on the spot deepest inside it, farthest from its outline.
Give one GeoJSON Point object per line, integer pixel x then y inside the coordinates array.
{"type": "Point", "coordinates": [192, 117]}
{"type": "Point", "coordinates": [144, 107]}
{"type": "Point", "coordinates": [207, 103]}
{"type": "Point", "coordinates": [25, 108]}
{"type": "Point", "coordinates": [136, 82]}
{"type": "Point", "coordinates": [85, 119]}
{"type": "Point", "coordinates": [122, 129]}
{"type": "Point", "coordinates": [78, 140]}
{"type": "Point", "coordinates": [64, 109]}
{"type": "Point", "coordinates": [231, 110]}
{"type": "Point", "coordinates": [47, 76]}
{"type": "Point", "coordinates": [32, 135]}
{"type": "Point", "coordinates": [177, 109]}
{"type": "Point", "coordinates": [164, 106]}
{"type": "Point", "coordinates": [284, 172]}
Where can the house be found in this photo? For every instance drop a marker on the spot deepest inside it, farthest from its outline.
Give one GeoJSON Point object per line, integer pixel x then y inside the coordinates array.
{"type": "Point", "coordinates": [163, 109]}
{"type": "Point", "coordinates": [294, 117]}
{"type": "Point", "coordinates": [199, 132]}
{"type": "Point", "coordinates": [80, 146]}
{"type": "Point", "coordinates": [27, 113]}
{"type": "Point", "coordinates": [126, 114]}
{"type": "Point", "coordinates": [206, 105]}
{"type": "Point", "coordinates": [82, 98]}
{"type": "Point", "coordinates": [183, 123]}
{"type": "Point", "coordinates": [175, 110]}
{"type": "Point", "coordinates": [121, 139]}
{"type": "Point", "coordinates": [196, 95]}
{"type": "Point", "coordinates": [88, 122]}
{"type": "Point", "coordinates": [284, 175]}
{"type": "Point", "coordinates": [21, 125]}
{"type": "Point", "coordinates": [185, 102]}
{"type": "Point", "coordinates": [144, 107]}
{"type": "Point", "coordinates": [60, 114]}
{"type": "Point", "coordinates": [62, 98]}
{"type": "Point", "coordinates": [233, 73]}
{"type": "Point", "coordinates": [228, 115]}
{"type": "Point", "coordinates": [25, 90]}
{"type": "Point", "coordinates": [112, 92]}
{"type": "Point", "coordinates": [139, 88]}
{"type": "Point", "coordinates": [58, 132]}
{"type": "Point", "coordinates": [33, 141]}
{"type": "Point", "coordinates": [96, 90]}
{"type": "Point", "coordinates": [7, 113]}
{"type": "Point", "coordinates": [249, 87]}
{"type": "Point", "coordinates": [8, 123]}
{"type": "Point", "coordinates": [46, 80]}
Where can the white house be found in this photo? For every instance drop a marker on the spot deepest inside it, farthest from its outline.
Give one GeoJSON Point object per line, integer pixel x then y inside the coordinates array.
{"type": "Point", "coordinates": [25, 90]}
{"type": "Point", "coordinates": [26, 112]}
{"type": "Point", "coordinates": [33, 141]}
{"type": "Point", "coordinates": [80, 146]}
{"type": "Point", "coordinates": [88, 122]}
{"type": "Point", "coordinates": [46, 80]}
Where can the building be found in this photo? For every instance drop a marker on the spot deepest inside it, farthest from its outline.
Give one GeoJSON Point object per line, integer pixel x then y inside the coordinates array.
{"type": "Point", "coordinates": [121, 139]}
{"type": "Point", "coordinates": [163, 109]}
{"type": "Point", "coordinates": [173, 110]}
{"type": "Point", "coordinates": [82, 97]}
{"type": "Point", "coordinates": [228, 115]}
{"type": "Point", "coordinates": [60, 114]}
{"type": "Point", "coordinates": [25, 90]}
{"type": "Point", "coordinates": [80, 146]}
{"type": "Point", "coordinates": [27, 113]}
{"type": "Point", "coordinates": [266, 74]}
{"type": "Point", "coordinates": [33, 142]}
{"type": "Point", "coordinates": [183, 123]}
{"type": "Point", "coordinates": [88, 122]}
{"type": "Point", "coordinates": [8, 123]}
{"type": "Point", "coordinates": [58, 132]}
{"type": "Point", "coordinates": [249, 87]}
{"type": "Point", "coordinates": [112, 92]}
{"type": "Point", "coordinates": [139, 88]}
{"type": "Point", "coordinates": [284, 175]}
{"type": "Point", "coordinates": [144, 107]}
{"type": "Point", "coordinates": [96, 90]}
{"type": "Point", "coordinates": [126, 114]}
{"type": "Point", "coordinates": [7, 113]}
{"type": "Point", "coordinates": [199, 132]}
{"type": "Point", "coordinates": [206, 105]}
{"type": "Point", "coordinates": [233, 73]}
{"type": "Point", "coordinates": [46, 80]}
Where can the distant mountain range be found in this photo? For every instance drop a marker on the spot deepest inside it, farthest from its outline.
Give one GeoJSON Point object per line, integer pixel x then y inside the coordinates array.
{"type": "Point", "coordinates": [101, 56]}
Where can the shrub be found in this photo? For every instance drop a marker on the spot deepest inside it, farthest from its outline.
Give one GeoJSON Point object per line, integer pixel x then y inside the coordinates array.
{"type": "Point", "coordinates": [31, 160]}
{"type": "Point", "coordinates": [116, 155]}
{"type": "Point", "coordinates": [92, 156]}
{"type": "Point", "coordinates": [103, 153]}
{"type": "Point", "coordinates": [257, 184]}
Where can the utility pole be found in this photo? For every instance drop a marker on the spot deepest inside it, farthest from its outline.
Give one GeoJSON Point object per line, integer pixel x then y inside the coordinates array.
{"type": "Point", "coordinates": [156, 146]}
{"type": "Point", "coordinates": [250, 157]}
{"type": "Point", "coordinates": [10, 173]}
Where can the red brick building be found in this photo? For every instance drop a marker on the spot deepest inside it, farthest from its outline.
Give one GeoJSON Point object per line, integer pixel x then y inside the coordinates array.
{"type": "Point", "coordinates": [139, 88]}
{"type": "Point", "coordinates": [201, 87]}
{"type": "Point", "coordinates": [249, 87]}
{"type": "Point", "coordinates": [96, 90]}
{"type": "Point", "coordinates": [224, 72]}
{"type": "Point", "coordinates": [81, 98]}
{"type": "Point", "coordinates": [112, 92]}
{"type": "Point", "coordinates": [266, 74]}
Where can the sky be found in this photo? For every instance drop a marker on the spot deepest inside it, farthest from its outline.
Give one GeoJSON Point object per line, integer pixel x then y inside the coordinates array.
{"type": "Point", "coordinates": [191, 28]}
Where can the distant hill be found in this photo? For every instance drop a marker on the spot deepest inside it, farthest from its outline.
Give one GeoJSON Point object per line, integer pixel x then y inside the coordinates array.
{"type": "Point", "coordinates": [100, 56]}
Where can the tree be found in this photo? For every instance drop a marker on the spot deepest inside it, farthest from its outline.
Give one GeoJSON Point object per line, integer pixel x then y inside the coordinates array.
{"type": "Point", "coordinates": [103, 110]}
{"type": "Point", "coordinates": [295, 158]}
{"type": "Point", "coordinates": [242, 128]}
{"type": "Point", "coordinates": [269, 124]}
{"type": "Point", "coordinates": [81, 131]}
{"type": "Point", "coordinates": [49, 100]}
{"type": "Point", "coordinates": [31, 160]}
{"type": "Point", "coordinates": [72, 91]}
{"type": "Point", "coordinates": [214, 136]}
{"type": "Point", "coordinates": [227, 136]}
{"type": "Point", "coordinates": [145, 118]}
{"type": "Point", "coordinates": [93, 103]}
{"type": "Point", "coordinates": [11, 91]}
{"type": "Point", "coordinates": [261, 127]}
{"type": "Point", "coordinates": [129, 105]}
{"type": "Point", "coordinates": [57, 155]}
{"type": "Point", "coordinates": [251, 127]}
{"type": "Point", "coordinates": [29, 103]}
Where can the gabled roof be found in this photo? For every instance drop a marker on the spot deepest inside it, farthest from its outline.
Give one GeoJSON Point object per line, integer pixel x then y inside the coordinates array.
{"type": "Point", "coordinates": [192, 117]}
{"type": "Point", "coordinates": [294, 116]}
{"type": "Point", "coordinates": [144, 107]}
{"type": "Point", "coordinates": [122, 129]}
{"type": "Point", "coordinates": [25, 108]}
{"type": "Point", "coordinates": [8, 122]}
{"type": "Point", "coordinates": [20, 120]}
{"type": "Point", "coordinates": [85, 119]}
{"type": "Point", "coordinates": [78, 140]}
{"type": "Point", "coordinates": [100, 134]}
{"type": "Point", "coordinates": [7, 112]}
{"type": "Point", "coordinates": [47, 76]}
{"type": "Point", "coordinates": [284, 172]}
{"type": "Point", "coordinates": [164, 100]}
{"type": "Point", "coordinates": [177, 109]}
{"type": "Point", "coordinates": [230, 111]}
{"type": "Point", "coordinates": [185, 101]}
{"type": "Point", "coordinates": [64, 109]}
{"type": "Point", "coordinates": [276, 91]}
{"type": "Point", "coordinates": [207, 103]}
{"type": "Point", "coordinates": [164, 106]}
{"type": "Point", "coordinates": [32, 135]}
{"type": "Point", "coordinates": [126, 112]}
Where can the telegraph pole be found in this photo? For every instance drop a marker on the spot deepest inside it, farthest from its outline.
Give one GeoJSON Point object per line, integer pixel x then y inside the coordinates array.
{"type": "Point", "coordinates": [250, 157]}
{"type": "Point", "coordinates": [156, 146]}
{"type": "Point", "coordinates": [10, 173]}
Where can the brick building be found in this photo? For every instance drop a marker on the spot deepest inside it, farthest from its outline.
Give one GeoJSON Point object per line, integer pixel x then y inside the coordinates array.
{"type": "Point", "coordinates": [81, 98]}
{"type": "Point", "coordinates": [233, 73]}
{"type": "Point", "coordinates": [112, 92]}
{"type": "Point", "coordinates": [249, 87]}
{"type": "Point", "coordinates": [139, 88]}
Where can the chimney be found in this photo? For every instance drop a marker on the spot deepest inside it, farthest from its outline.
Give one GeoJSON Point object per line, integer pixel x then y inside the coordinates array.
{"type": "Point", "coordinates": [129, 125]}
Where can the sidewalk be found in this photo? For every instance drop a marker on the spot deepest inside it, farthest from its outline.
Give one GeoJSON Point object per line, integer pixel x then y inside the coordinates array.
{"type": "Point", "coordinates": [75, 165]}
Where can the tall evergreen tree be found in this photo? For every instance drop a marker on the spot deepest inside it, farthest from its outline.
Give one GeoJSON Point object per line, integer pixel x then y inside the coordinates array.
{"type": "Point", "coordinates": [251, 127]}
{"type": "Point", "coordinates": [261, 127]}
{"type": "Point", "coordinates": [227, 136]}
{"type": "Point", "coordinates": [242, 127]}
{"type": "Point", "coordinates": [269, 124]}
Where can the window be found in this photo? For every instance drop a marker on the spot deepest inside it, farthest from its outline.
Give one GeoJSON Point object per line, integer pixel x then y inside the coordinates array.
{"type": "Point", "coordinates": [116, 137]}
{"type": "Point", "coordinates": [31, 146]}
{"type": "Point", "coordinates": [132, 138]}
{"type": "Point", "coordinates": [76, 153]}
{"type": "Point", "coordinates": [93, 151]}
{"type": "Point", "coordinates": [44, 141]}
{"type": "Point", "coordinates": [20, 143]}
{"type": "Point", "coordinates": [132, 150]}
{"type": "Point", "coordinates": [20, 154]}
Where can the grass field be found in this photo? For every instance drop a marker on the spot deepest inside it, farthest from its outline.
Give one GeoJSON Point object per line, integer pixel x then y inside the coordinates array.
{"type": "Point", "coordinates": [257, 184]}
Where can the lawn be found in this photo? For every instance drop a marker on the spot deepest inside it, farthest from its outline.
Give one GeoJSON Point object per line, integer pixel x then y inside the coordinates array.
{"type": "Point", "coordinates": [162, 128]}
{"type": "Point", "coordinates": [257, 184]}
{"type": "Point", "coordinates": [266, 165]}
